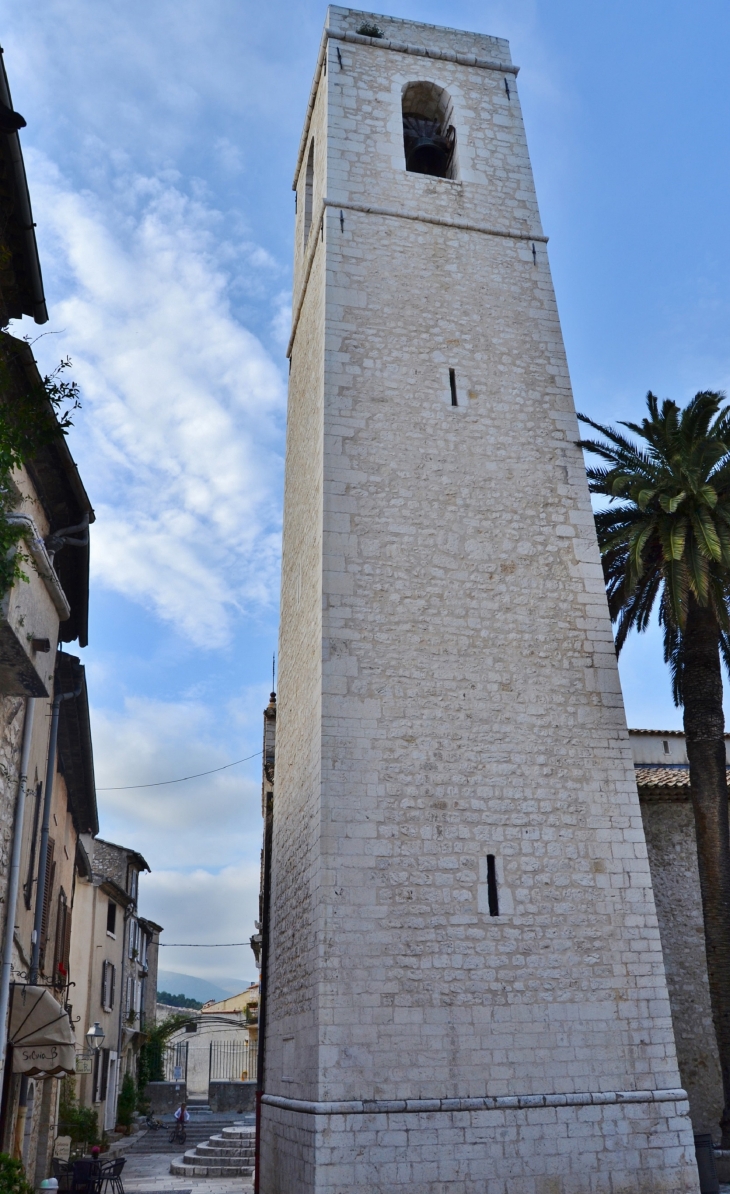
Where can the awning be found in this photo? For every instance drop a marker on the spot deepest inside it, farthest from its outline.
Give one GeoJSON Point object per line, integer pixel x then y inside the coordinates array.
{"type": "Point", "coordinates": [40, 1032]}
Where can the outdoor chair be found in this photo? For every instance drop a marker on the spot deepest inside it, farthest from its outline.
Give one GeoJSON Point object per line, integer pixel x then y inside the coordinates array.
{"type": "Point", "coordinates": [62, 1171]}
{"type": "Point", "coordinates": [111, 1175]}
{"type": "Point", "coordinates": [86, 1177]}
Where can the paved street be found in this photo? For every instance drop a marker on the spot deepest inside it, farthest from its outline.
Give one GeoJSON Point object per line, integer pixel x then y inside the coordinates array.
{"type": "Point", "coordinates": [149, 1173]}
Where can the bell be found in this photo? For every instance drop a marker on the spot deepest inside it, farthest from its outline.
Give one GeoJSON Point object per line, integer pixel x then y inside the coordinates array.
{"type": "Point", "coordinates": [427, 150]}
{"type": "Point", "coordinates": [427, 156]}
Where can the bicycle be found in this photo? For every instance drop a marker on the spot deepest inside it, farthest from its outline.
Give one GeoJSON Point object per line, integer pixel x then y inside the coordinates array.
{"type": "Point", "coordinates": [178, 1135]}
{"type": "Point", "coordinates": [153, 1124]}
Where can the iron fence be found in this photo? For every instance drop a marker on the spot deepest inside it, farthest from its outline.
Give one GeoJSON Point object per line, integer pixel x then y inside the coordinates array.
{"type": "Point", "coordinates": [232, 1061]}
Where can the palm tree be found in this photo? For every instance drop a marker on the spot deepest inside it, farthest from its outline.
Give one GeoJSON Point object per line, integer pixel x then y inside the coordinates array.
{"type": "Point", "coordinates": [665, 541]}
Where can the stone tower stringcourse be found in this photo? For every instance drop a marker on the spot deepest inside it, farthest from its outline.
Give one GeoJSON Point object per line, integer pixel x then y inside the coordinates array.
{"type": "Point", "coordinates": [466, 986]}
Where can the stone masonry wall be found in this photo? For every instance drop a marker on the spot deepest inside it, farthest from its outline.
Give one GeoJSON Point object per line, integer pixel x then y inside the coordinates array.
{"type": "Point", "coordinates": [12, 714]}
{"type": "Point", "coordinates": [448, 691]}
{"type": "Point", "coordinates": [670, 838]}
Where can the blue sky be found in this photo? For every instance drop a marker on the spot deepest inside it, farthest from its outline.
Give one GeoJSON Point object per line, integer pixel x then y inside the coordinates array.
{"type": "Point", "coordinates": [160, 146]}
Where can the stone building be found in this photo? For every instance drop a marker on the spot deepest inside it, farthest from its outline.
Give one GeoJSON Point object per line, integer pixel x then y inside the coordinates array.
{"type": "Point", "coordinates": [114, 951]}
{"type": "Point", "coordinates": [28, 1112]}
{"type": "Point", "coordinates": [662, 776]}
{"type": "Point", "coordinates": [463, 983]}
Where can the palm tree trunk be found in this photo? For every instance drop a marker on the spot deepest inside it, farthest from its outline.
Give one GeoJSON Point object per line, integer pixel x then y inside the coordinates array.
{"type": "Point", "coordinates": [704, 727]}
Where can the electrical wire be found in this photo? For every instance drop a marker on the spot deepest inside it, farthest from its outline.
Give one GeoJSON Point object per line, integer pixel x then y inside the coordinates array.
{"type": "Point", "coordinates": [162, 782]}
{"type": "Point", "coordinates": [202, 944]}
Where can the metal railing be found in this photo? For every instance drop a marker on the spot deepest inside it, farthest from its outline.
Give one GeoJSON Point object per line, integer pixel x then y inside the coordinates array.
{"type": "Point", "coordinates": [232, 1061]}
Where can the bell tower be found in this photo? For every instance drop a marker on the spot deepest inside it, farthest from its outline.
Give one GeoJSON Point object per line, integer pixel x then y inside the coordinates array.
{"type": "Point", "coordinates": [465, 985]}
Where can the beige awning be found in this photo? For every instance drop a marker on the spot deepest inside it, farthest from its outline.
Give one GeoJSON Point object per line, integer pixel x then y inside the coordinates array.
{"type": "Point", "coordinates": [40, 1032]}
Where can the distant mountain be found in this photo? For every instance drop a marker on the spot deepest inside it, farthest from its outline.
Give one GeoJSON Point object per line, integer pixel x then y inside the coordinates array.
{"type": "Point", "coordinates": [196, 988]}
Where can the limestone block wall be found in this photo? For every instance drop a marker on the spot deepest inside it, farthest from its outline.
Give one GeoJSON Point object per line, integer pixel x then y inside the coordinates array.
{"type": "Point", "coordinates": [670, 838]}
{"type": "Point", "coordinates": [448, 691]}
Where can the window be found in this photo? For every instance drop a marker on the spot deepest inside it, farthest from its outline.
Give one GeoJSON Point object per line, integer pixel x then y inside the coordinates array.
{"type": "Point", "coordinates": [101, 1075]}
{"type": "Point", "coordinates": [308, 191]}
{"type": "Point", "coordinates": [28, 885]}
{"type": "Point", "coordinates": [63, 941]}
{"type": "Point", "coordinates": [429, 137]}
{"type": "Point", "coordinates": [452, 386]}
{"type": "Point", "coordinates": [47, 897]}
{"type": "Point", "coordinates": [665, 744]}
{"type": "Point", "coordinates": [111, 918]}
{"type": "Point", "coordinates": [108, 985]}
{"type": "Point", "coordinates": [132, 880]}
{"type": "Point", "coordinates": [133, 938]}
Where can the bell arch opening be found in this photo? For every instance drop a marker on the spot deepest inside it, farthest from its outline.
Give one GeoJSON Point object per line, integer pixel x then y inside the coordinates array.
{"type": "Point", "coordinates": [429, 137]}
{"type": "Point", "coordinates": [308, 191]}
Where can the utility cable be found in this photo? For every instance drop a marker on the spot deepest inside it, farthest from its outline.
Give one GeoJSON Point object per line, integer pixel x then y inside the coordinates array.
{"type": "Point", "coordinates": [162, 782]}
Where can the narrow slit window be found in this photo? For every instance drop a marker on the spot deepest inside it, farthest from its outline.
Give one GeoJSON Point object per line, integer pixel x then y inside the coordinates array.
{"type": "Point", "coordinates": [308, 192]}
{"type": "Point", "coordinates": [665, 744]}
{"type": "Point", "coordinates": [452, 384]}
{"type": "Point", "coordinates": [492, 893]}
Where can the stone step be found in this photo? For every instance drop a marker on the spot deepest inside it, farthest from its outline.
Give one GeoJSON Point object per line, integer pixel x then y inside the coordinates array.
{"type": "Point", "coordinates": [225, 1147]}
{"type": "Point", "coordinates": [239, 1130]}
{"type": "Point", "coordinates": [182, 1168]}
{"type": "Point", "coordinates": [214, 1156]}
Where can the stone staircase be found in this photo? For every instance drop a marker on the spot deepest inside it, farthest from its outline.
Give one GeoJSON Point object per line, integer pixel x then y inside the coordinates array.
{"type": "Point", "coordinates": [202, 1125]}
{"type": "Point", "coordinates": [228, 1154]}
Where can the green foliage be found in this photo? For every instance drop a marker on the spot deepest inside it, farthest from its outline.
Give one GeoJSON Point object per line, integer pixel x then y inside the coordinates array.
{"type": "Point", "coordinates": [12, 1177]}
{"type": "Point", "coordinates": [665, 535]}
{"type": "Point", "coordinates": [178, 1000]}
{"type": "Point", "coordinates": [78, 1122]}
{"type": "Point", "coordinates": [367, 29]}
{"type": "Point", "coordinates": [127, 1101]}
{"type": "Point", "coordinates": [151, 1066]}
{"type": "Point", "coordinates": [30, 417]}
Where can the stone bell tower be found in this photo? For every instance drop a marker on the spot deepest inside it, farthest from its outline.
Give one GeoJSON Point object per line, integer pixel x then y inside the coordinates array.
{"type": "Point", "coordinates": [465, 983]}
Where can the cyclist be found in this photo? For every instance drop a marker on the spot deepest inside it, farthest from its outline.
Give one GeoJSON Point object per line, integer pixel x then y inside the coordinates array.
{"type": "Point", "coordinates": [181, 1117]}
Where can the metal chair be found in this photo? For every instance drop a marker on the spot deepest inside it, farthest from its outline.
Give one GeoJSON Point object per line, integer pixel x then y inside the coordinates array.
{"type": "Point", "coordinates": [111, 1175]}
{"type": "Point", "coordinates": [85, 1177]}
{"type": "Point", "coordinates": [62, 1171]}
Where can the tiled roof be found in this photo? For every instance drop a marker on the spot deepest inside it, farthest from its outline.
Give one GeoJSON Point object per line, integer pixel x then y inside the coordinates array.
{"type": "Point", "coordinates": [650, 776]}
{"type": "Point", "coordinates": [658, 776]}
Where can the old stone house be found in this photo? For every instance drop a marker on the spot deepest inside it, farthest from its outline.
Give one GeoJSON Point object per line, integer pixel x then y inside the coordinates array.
{"type": "Point", "coordinates": [662, 776]}
{"type": "Point", "coordinates": [29, 1112]}
{"type": "Point", "coordinates": [114, 950]}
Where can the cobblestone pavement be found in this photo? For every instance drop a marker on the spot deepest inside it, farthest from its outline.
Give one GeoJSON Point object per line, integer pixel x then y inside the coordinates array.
{"type": "Point", "coordinates": [149, 1173]}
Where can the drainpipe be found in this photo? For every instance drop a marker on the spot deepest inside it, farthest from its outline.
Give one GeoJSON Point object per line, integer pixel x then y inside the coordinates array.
{"type": "Point", "coordinates": [14, 881]}
{"type": "Point", "coordinates": [40, 894]}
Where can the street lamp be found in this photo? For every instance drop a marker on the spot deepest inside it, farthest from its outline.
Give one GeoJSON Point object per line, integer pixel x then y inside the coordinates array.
{"type": "Point", "coordinates": [95, 1036]}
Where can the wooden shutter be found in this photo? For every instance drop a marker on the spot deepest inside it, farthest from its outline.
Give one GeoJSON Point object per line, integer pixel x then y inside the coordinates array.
{"type": "Point", "coordinates": [63, 941]}
{"type": "Point", "coordinates": [112, 983]}
{"type": "Point", "coordinates": [47, 896]}
{"type": "Point", "coordinates": [97, 1072]}
{"type": "Point", "coordinates": [104, 1002]}
{"type": "Point", "coordinates": [104, 1074]}
{"type": "Point", "coordinates": [30, 877]}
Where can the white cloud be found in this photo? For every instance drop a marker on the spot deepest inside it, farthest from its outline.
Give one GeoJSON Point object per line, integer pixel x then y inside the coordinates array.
{"type": "Point", "coordinates": [202, 907]}
{"type": "Point", "coordinates": [179, 439]}
{"type": "Point", "coordinates": [202, 837]}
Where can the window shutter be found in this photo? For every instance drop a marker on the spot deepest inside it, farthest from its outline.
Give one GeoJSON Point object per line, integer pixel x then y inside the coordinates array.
{"type": "Point", "coordinates": [95, 1081]}
{"type": "Point", "coordinates": [112, 984]}
{"type": "Point", "coordinates": [67, 942]}
{"type": "Point", "coordinates": [47, 896]}
{"type": "Point", "coordinates": [30, 877]}
{"type": "Point", "coordinates": [104, 1074]}
{"type": "Point", "coordinates": [60, 953]}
